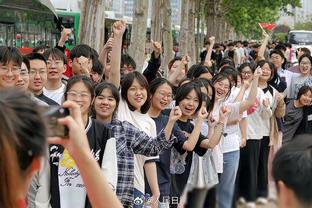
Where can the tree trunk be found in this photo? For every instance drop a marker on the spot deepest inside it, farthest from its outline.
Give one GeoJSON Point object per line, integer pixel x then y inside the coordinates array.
{"type": "Point", "coordinates": [198, 35]}
{"type": "Point", "coordinates": [138, 33]}
{"type": "Point", "coordinates": [184, 30]}
{"type": "Point", "coordinates": [191, 34]}
{"type": "Point", "coordinates": [92, 23]}
{"type": "Point", "coordinates": [167, 35]}
{"type": "Point", "coordinates": [156, 20]}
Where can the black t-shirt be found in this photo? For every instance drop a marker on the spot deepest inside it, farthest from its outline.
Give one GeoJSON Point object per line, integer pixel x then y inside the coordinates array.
{"type": "Point", "coordinates": [306, 123]}
{"type": "Point", "coordinates": [98, 135]}
{"type": "Point", "coordinates": [179, 179]}
{"type": "Point", "coordinates": [163, 164]}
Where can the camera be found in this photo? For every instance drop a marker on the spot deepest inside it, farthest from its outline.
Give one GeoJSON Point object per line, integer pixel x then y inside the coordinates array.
{"type": "Point", "coordinates": [52, 114]}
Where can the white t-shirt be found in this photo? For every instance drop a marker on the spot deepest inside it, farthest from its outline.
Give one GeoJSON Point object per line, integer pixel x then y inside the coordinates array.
{"type": "Point", "coordinates": [256, 116]}
{"type": "Point", "coordinates": [287, 76]}
{"type": "Point", "coordinates": [217, 152]}
{"type": "Point", "coordinates": [56, 95]}
{"type": "Point", "coordinates": [146, 124]}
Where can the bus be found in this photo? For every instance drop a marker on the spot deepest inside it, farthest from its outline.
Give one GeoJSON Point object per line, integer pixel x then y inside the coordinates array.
{"type": "Point", "coordinates": [26, 24]}
{"type": "Point", "coordinates": [299, 39]}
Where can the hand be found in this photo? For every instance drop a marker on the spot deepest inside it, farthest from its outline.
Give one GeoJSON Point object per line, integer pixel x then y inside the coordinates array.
{"type": "Point", "coordinates": [243, 143]}
{"type": "Point", "coordinates": [64, 36]}
{"type": "Point", "coordinates": [157, 48]}
{"type": "Point", "coordinates": [246, 84]}
{"type": "Point", "coordinates": [119, 28]}
{"type": "Point", "coordinates": [224, 113]}
{"type": "Point", "coordinates": [202, 113]}
{"type": "Point", "coordinates": [208, 63]}
{"type": "Point", "coordinates": [279, 97]}
{"type": "Point", "coordinates": [299, 52]}
{"type": "Point", "coordinates": [212, 40]}
{"type": "Point", "coordinates": [258, 72]}
{"type": "Point", "coordinates": [85, 65]}
{"type": "Point", "coordinates": [77, 141]}
{"type": "Point", "coordinates": [185, 59]}
{"type": "Point", "coordinates": [109, 44]}
{"type": "Point", "coordinates": [265, 34]}
{"type": "Point", "coordinates": [175, 114]}
{"type": "Point", "coordinates": [212, 121]}
{"type": "Point", "coordinates": [154, 201]}
{"type": "Point", "coordinates": [266, 102]}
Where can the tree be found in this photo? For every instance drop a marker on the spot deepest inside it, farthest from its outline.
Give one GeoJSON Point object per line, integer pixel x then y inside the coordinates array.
{"type": "Point", "coordinates": [167, 35]}
{"type": "Point", "coordinates": [184, 30]}
{"type": "Point", "coordinates": [92, 23]}
{"type": "Point", "coordinates": [303, 25]}
{"type": "Point", "coordinates": [156, 20]}
{"type": "Point", "coordinates": [138, 33]}
{"type": "Point", "coordinates": [191, 29]}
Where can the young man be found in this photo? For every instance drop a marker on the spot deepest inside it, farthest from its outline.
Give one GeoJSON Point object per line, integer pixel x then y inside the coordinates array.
{"type": "Point", "coordinates": [81, 58]}
{"type": "Point", "coordinates": [56, 65]}
{"type": "Point", "coordinates": [292, 172]}
{"type": "Point", "coordinates": [38, 77]}
{"type": "Point", "coordinates": [10, 66]}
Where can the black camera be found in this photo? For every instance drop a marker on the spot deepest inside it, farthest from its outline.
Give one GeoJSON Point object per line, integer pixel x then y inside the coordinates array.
{"type": "Point", "coordinates": [52, 114]}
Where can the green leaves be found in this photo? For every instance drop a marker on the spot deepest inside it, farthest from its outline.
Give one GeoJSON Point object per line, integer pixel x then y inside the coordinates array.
{"type": "Point", "coordinates": [244, 15]}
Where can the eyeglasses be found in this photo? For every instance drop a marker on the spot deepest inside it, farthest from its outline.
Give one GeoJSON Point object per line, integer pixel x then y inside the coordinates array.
{"type": "Point", "coordinates": [15, 70]}
{"type": "Point", "coordinates": [74, 95]}
{"type": "Point", "coordinates": [55, 62]}
{"type": "Point", "coordinates": [305, 63]}
{"type": "Point", "coordinates": [169, 96]}
{"type": "Point", "coordinates": [246, 73]}
{"type": "Point", "coordinates": [41, 72]}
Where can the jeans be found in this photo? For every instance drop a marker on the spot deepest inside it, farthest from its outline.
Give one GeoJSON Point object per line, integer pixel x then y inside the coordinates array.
{"type": "Point", "coordinates": [225, 188]}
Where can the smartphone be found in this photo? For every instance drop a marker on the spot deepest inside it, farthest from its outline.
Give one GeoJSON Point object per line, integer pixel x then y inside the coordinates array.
{"type": "Point", "coordinates": [52, 114]}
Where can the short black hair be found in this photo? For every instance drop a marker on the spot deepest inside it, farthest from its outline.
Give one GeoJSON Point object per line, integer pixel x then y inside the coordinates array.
{"type": "Point", "coordinates": [158, 82]}
{"type": "Point", "coordinates": [293, 165]}
{"type": "Point", "coordinates": [81, 50]}
{"type": "Point", "coordinates": [97, 66]}
{"type": "Point", "coordinates": [39, 48]}
{"type": "Point", "coordinates": [79, 78]}
{"type": "Point", "coordinates": [307, 56]}
{"type": "Point", "coordinates": [304, 89]}
{"type": "Point", "coordinates": [36, 56]}
{"type": "Point", "coordinates": [26, 62]}
{"type": "Point", "coordinates": [126, 84]}
{"type": "Point", "coordinates": [127, 60]}
{"type": "Point", "coordinates": [8, 54]}
{"type": "Point", "coordinates": [305, 51]}
{"type": "Point", "coordinates": [185, 89]}
{"type": "Point", "coordinates": [198, 69]}
{"type": "Point", "coordinates": [55, 53]}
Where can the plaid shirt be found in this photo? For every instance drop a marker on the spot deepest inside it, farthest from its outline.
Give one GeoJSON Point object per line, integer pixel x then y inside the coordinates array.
{"type": "Point", "coordinates": [130, 140]}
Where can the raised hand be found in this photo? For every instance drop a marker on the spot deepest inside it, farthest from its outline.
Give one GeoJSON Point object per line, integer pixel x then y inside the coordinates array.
{"type": "Point", "coordinates": [202, 113]}
{"type": "Point", "coordinates": [212, 40]}
{"type": "Point", "coordinates": [156, 48]}
{"type": "Point", "coordinates": [212, 121]}
{"type": "Point", "coordinates": [109, 44]}
{"type": "Point", "coordinates": [279, 97]}
{"type": "Point", "coordinates": [266, 102]}
{"type": "Point", "coordinates": [175, 113]}
{"type": "Point", "coordinates": [258, 72]}
{"type": "Point", "coordinates": [246, 84]}
{"type": "Point", "coordinates": [185, 59]}
{"type": "Point", "coordinates": [119, 28]}
{"type": "Point", "coordinates": [224, 113]}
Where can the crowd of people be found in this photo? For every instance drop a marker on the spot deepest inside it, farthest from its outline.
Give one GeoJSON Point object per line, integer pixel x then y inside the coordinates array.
{"type": "Point", "coordinates": [204, 136]}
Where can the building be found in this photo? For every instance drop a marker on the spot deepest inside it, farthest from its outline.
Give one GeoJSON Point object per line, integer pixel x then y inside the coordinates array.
{"type": "Point", "coordinates": [301, 14]}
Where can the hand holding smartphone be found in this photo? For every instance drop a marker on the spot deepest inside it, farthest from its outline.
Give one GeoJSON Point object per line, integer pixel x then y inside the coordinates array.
{"type": "Point", "coordinates": [52, 114]}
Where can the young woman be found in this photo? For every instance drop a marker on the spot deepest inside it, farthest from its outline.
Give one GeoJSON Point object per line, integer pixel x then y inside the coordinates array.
{"type": "Point", "coordinates": [226, 153]}
{"type": "Point", "coordinates": [129, 138]}
{"type": "Point", "coordinates": [249, 157]}
{"type": "Point", "coordinates": [294, 112]}
{"type": "Point", "coordinates": [23, 147]}
{"type": "Point", "coordinates": [189, 99]}
{"type": "Point", "coordinates": [275, 101]}
{"type": "Point", "coordinates": [162, 95]}
{"type": "Point", "coordinates": [67, 187]}
{"type": "Point", "coordinates": [305, 77]}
